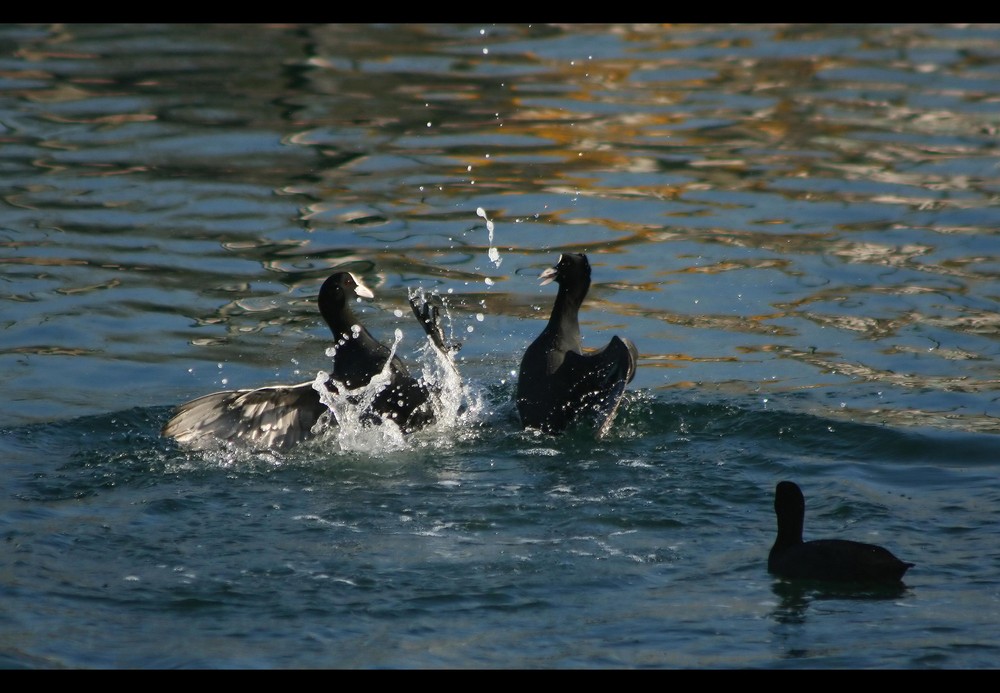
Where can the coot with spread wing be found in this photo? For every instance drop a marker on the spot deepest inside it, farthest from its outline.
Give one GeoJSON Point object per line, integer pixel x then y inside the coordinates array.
{"type": "Point", "coordinates": [558, 382]}
{"type": "Point", "coordinates": [280, 416]}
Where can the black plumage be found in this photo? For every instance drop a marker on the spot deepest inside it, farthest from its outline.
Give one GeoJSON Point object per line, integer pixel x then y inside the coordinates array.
{"type": "Point", "coordinates": [280, 416]}
{"type": "Point", "coordinates": [828, 560]}
{"type": "Point", "coordinates": [558, 382]}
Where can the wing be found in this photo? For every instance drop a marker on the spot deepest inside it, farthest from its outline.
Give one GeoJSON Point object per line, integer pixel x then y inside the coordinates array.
{"type": "Point", "coordinates": [597, 380]}
{"type": "Point", "coordinates": [274, 418]}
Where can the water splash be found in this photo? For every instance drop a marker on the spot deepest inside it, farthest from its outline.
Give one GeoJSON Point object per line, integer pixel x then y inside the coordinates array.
{"type": "Point", "coordinates": [493, 253]}
{"type": "Point", "coordinates": [456, 403]}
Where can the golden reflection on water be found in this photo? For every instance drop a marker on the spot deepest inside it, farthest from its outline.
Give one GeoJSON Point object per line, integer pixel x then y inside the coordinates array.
{"type": "Point", "coordinates": [740, 186]}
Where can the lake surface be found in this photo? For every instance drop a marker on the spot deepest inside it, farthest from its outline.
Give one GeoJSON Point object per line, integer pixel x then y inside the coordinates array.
{"type": "Point", "coordinates": [796, 224]}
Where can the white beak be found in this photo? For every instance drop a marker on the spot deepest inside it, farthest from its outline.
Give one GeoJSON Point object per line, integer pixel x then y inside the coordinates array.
{"type": "Point", "coordinates": [362, 290]}
{"type": "Point", "coordinates": [548, 275]}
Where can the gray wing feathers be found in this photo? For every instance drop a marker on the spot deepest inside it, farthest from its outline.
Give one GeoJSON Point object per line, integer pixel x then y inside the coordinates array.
{"type": "Point", "coordinates": [263, 418]}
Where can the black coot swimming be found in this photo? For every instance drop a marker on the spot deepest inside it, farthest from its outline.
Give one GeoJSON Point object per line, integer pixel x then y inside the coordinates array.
{"type": "Point", "coordinates": [280, 416]}
{"type": "Point", "coordinates": [830, 560]}
{"type": "Point", "coordinates": [558, 383]}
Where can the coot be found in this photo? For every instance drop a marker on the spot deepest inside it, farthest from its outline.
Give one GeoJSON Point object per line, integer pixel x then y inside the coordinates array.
{"type": "Point", "coordinates": [831, 560]}
{"type": "Point", "coordinates": [280, 416]}
{"type": "Point", "coordinates": [558, 383]}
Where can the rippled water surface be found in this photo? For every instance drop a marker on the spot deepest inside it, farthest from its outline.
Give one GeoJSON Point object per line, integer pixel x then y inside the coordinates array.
{"type": "Point", "coordinates": [796, 225]}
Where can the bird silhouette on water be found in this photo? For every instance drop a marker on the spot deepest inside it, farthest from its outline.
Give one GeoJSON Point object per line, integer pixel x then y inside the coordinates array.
{"type": "Point", "coordinates": [558, 384]}
{"type": "Point", "coordinates": [280, 416]}
{"type": "Point", "coordinates": [828, 560]}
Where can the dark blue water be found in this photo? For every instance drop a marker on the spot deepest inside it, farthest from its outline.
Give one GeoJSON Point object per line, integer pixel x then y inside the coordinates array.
{"type": "Point", "coordinates": [795, 224]}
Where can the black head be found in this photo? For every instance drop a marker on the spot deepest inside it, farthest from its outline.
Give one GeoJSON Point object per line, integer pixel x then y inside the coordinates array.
{"type": "Point", "coordinates": [335, 297]}
{"type": "Point", "coordinates": [790, 511]}
{"type": "Point", "coordinates": [787, 494]}
{"type": "Point", "coordinates": [572, 268]}
{"type": "Point", "coordinates": [788, 499]}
